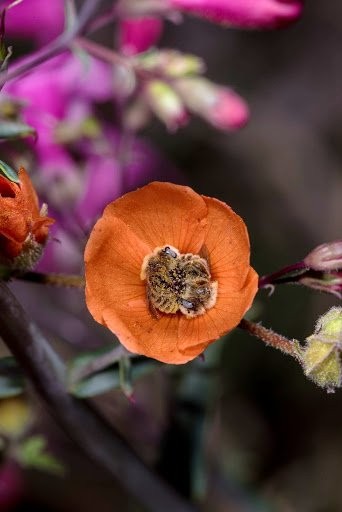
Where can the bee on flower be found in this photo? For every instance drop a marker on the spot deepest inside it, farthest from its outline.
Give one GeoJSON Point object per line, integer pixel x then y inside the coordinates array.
{"type": "Point", "coordinates": [168, 271]}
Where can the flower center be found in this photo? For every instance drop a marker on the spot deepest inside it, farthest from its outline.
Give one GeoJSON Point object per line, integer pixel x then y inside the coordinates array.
{"type": "Point", "coordinates": [178, 282]}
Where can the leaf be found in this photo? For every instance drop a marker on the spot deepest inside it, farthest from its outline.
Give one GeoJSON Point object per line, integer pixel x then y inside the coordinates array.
{"type": "Point", "coordinates": [96, 384]}
{"type": "Point", "coordinates": [15, 130]}
{"type": "Point", "coordinates": [93, 361]}
{"type": "Point", "coordinates": [32, 453]}
{"type": "Point", "coordinates": [109, 379]}
{"type": "Point", "coordinates": [11, 379]}
{"type": "Point", "coordinates": [8, 172]}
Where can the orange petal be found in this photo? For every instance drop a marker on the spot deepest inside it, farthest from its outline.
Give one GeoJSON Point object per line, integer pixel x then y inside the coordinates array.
{"type": "Point", "coordinates": [116, 296]}
{"type": "Point", "coordinates": [227, 244]}
{"type": "Point", "coordinates": [163, 213]}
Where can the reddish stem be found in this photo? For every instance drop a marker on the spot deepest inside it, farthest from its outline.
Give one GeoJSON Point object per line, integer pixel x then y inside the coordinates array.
{"type": "Point", "coordinates": [270, 337]}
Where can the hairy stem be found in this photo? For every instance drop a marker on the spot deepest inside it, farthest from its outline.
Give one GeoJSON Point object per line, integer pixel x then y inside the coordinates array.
{"type": "Point", "coordinates": [270, 337]}
{"type": "Point", "coordinates": [79, 419]}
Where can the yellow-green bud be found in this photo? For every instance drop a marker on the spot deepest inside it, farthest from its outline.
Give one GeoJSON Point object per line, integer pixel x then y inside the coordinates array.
{"type": "Point", "coordinates": [321, 356]}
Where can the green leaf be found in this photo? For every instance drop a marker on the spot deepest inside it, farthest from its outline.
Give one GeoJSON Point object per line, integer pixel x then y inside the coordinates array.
{"type": "Point", "coordinates": [32, 453]}
{"type": "Point", "coordinates": [96, 384]}
{"type": "Point", "coordinates": [15, 130]}
{"type": "Point", "coordinates": [11, 379]}
{"type": "Point", "coordinates": [109, 379]}
{"type": "Point", "coordinates": [8, 172]}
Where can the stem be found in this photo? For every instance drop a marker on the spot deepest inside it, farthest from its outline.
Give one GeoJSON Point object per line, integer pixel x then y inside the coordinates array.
{"type": "Point", "coordinates": [270, 279]}
{"type": "Point", "coordinates": [101, 362]}
{"type": "Point", "coordinates": [52, 279]}
{"type": "Point", "coordinates": [79, 419]}
{"type": "Point", "coordinates": [270, 337]}
{"type": "Point", "coordinates": [57, 46]}
{"type": "Point", "coordinates": [99, 51]}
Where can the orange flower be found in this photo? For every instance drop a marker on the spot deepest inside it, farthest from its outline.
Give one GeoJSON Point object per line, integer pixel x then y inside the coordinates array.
{"type": "Point", "coordinates": [168, 272]}
{"type": "Point", "coordinates": [23, 228]}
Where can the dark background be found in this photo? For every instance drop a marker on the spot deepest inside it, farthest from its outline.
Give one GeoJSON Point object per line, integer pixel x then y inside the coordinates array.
{"type": "Point", "coordinates": [246, 431]}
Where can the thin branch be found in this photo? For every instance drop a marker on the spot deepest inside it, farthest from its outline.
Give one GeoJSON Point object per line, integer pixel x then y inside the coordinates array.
{"type": "Point", "coordinates": [68, 281]}
{"type": "Point", "coordinates": [270, 337]}
{"type": "Point", "coordinates": [79, 420]}
{"type": "Point", "coordinates": [57, 46]}
{"type": "Point", "coordinates": [99, 51]}
{"type": "Point", "coordinates": [101, 362]}
{"type": "Point", "coordinates": [283, 275]}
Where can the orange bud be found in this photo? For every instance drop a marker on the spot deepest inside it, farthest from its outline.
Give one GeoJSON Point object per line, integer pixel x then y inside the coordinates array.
{"type": "Point", "coordinates": [23, 226]}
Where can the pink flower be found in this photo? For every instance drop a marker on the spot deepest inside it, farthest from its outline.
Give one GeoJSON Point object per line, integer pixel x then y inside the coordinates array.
{"type": "Point", "coordinates": [61, 90]}
{"type": "Point", "coordinates": [218, 105]}
{"type": "Point", "coordinates": [243, 13]}
{"type": "Point", "coordinates": [139, 34]}
{"type": "Point", "coordinates": [39, 20]}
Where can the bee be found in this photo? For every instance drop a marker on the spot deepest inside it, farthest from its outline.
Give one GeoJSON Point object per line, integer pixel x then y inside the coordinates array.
{"type": "Point", "coordinates": [178, 282]}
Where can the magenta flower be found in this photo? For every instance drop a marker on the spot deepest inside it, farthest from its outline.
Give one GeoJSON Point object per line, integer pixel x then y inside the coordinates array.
{"type": "Point", "coordinates": [139, 34]}
{"type": "Point", "coordinates": [250, 14]}
{"type": "Point", "coordinates": [218, 105]}
{"type": "Point", "coordinates": [61, 91]}
{"type": "Point", "coordinates": [37, 20]}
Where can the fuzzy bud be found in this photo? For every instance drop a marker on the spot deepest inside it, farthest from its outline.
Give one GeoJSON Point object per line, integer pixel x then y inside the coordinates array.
{"type": "Point", "coordinates": [166, 104]}
{"type": "Point", "coordinates": [321, 357]}
{"type": "Point", "coordinates": [325, 257]}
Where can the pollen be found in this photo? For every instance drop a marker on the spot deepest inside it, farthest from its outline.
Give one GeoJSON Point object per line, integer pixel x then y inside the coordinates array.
{"type": "Point", "coordinates": [178, 282]}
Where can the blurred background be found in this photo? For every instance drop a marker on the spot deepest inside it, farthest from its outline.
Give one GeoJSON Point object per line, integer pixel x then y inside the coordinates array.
{"type": "Point", "coordinates": [244, 431]}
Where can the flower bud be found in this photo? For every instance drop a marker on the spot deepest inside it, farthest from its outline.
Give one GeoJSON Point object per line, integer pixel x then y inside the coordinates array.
{"type": "Point", "coordinates": [166, 104]}
{"type": "Point", "coordinates": [267, 14]}
{"type": "Point", "coordinates": [139, 34]}
{"type": "Point", "coordinates": [321, 358]}
{"type": "Point", "coordinates": [329, 282]}
{"type": "Point", "coordinates": [325, 257]}
{"type": "Point", "coordinates": [170, 63]}
{"type": "Point", "coordinates": [23, 227]}
{"type": "Point", "coordinates": [220, 106]}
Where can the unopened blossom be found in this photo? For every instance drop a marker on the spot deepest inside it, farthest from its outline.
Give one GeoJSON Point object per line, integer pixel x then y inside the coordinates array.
{"type": "Point", "coordinates": [220, 106]}
{"type": "Point", "coordinates": [24, 227]}
{"type": "Point", "coordinates": [325, 257]}
{"type": "Point", "coordinates": [137, 35]}
{"type": "Point", "coordinates": [167, 271]}
{"type": "Point", "coordinates": [166, 104]}
{"type": "Point", "coordinates": [250, 14]}
{"type": "Point", "coordinates": [37, 20]}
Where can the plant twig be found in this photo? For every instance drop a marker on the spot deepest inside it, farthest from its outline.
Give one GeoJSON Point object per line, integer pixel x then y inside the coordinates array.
{"type": "Point", "coordinates": [78, 418]}
{"type": "Point", "coordinates": [286, 274]}
{"type": "Point", "coordinates": [57, 46]}
{"type": "Point", "coordinates": [68, 281]}
{"type": "Point", "coordinates": [100, 362]}
{"type": "Point", "coordinates": [270, 337]}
